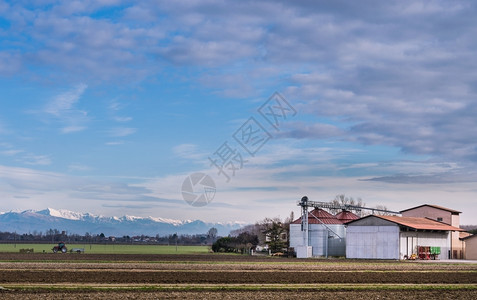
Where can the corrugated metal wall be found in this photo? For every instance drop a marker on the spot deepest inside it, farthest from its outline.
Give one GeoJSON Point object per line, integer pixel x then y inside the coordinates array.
{"type": "Point", "coordinates": [372, 242]}
{"type": "Point", "coordinates": [321, 239]}
{"type": "Point", "coordinates": [296, 236]}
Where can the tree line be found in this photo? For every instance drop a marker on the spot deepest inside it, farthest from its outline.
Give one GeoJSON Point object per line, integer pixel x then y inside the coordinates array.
{"type": "Point", "coordinates": [55, 236]}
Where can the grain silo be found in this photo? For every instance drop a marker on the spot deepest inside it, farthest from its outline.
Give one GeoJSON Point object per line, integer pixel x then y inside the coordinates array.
{"type": "Point", "coordinates": [326, 234]}
{"type": "Point", "coordinates": [346, 216]}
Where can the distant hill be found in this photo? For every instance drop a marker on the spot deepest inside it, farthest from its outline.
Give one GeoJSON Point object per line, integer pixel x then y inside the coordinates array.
{"type": "Point", "coordinates": [29, 221]}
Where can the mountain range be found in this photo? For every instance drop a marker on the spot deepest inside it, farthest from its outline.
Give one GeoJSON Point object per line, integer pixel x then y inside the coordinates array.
{"type": "Point", "coordinates": [30, 221]}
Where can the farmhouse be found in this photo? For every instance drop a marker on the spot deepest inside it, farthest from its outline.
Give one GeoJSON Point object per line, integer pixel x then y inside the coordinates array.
{"type": "Point", "coordinates": [326, 233]}
{"type": "Point", "coordinates": [394, 237]}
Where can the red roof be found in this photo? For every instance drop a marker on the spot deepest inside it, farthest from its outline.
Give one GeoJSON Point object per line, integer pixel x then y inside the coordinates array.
{"type": "Point", "coordinates": [420, 223]}
{"type": "Point", "coordinates": [468, 237]}
{"type": "Point", "coordinates": [435, 206]}
{"type": "Point", "coordinates": [346, 216]}
{"type": "Point", "coordinates": [324, 216]}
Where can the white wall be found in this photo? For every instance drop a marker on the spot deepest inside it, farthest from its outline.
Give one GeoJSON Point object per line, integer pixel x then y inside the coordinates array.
{"type": "Point", "coordinates": [411, 240]}
{"type": "Point", "coordinates": [372, 242]}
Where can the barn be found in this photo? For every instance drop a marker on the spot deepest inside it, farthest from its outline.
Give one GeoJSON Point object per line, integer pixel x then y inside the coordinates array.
{"type": "Point", "coordinates": [394, 237]}
{"type": "Point", "coordinates": [326, 233]}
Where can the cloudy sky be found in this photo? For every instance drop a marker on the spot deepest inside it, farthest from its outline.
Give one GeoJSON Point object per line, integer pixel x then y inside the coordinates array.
{"type": "Point", "coordinates": [108, 106]}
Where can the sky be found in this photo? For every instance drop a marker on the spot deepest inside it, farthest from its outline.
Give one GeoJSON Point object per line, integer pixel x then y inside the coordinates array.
{"type": "Point", "coordinates": [111, 107]}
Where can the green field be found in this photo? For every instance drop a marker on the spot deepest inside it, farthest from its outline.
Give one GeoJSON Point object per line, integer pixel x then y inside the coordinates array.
{"type": "Point", "coordinates": [110, 248]}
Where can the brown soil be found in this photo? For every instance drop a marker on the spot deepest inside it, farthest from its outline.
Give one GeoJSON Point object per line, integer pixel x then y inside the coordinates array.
{"type": "Point", "coordinates": [358, 295]}
{"type": "Point", "coordinates": [137, 257]}
{"type": "Point", "coordinates": [50, 276]}
{"type": "Point", "coordinates": [224, 277]}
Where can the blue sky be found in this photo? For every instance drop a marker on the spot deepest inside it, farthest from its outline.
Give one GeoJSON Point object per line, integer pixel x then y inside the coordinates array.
{"type": "Point", "coordinates": [107, 106]}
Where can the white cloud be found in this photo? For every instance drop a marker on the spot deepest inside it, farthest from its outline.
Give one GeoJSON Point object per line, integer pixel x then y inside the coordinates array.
{"type": "Point", "coordinates": [116, 106]}
{"type": "Point", "coordinates": [25, 157]}
{"type": "Point", "coordinates": [274, 191]}
{"type": "Point", "coordinates": [210, 53]}
{"type": "Point", "coordinates": [189, 151]}
{"type": "Point", "coordinates": [10, 63]}
{"type": "Point", "coordinates": [12, 152]}
{"type": "Point", "coordinates": [115, 143]}
{"type": "Point", "coordinates": [97, 48]}
{"type": "Point", "coordinates": [70, 129]}
{"type": "Point", "coordinates": [36, 160]}
{"type": "Point", "coordinates": [79, 167]}
{"type": "Point", "coordinates": [123, 119]}
{"type": "Point", "coordinates": [63, 103]}
{"type": "Point", "coordinates": [62, 109]}
{"type": "Point", "coordinates": [40, 189]}
{"type": "Point", "coordinates": [122, 131]}
{"type": "Point", "coordinates": [315, 130]}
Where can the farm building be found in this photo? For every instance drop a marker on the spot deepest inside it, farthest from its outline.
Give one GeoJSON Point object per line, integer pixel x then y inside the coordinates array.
{"type": "Point", "coordinates": [326, 233]}
{"type": "Point", "coordinates": [394, 237]}
{"type": "Point", "coordinates": [470, 246]}
{"type": "Point", "coordinates": [440, 214]}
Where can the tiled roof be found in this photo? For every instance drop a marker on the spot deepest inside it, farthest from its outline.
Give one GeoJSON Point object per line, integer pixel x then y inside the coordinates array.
{"type": "Point", "coordinates": [324, 216]}
{"type": "Point", "coordinates": [468, 237]}
{"type": "Point", "coordinates": [420, 223]}
{"type": "Point", "coordinates": [435, 206]}
{"type": "Point", "coordinates": [346, 216]}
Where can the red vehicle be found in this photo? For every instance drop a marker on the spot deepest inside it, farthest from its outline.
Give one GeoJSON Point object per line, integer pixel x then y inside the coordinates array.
{"type": "Point", "coordinates": [60, 248]}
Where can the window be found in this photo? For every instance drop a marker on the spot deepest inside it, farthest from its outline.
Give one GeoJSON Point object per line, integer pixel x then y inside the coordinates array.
{"type": "Point", "coordinates": [439, 219]}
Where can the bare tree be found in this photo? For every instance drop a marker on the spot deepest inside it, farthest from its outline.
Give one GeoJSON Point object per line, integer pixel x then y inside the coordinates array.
{"type": "Point", "coordinates": [212, 235]}
{"type": "Point", "coordinates": [381, 213]}
{"type": "Point", "coordinates": [251, 228]}
{"type": "Point", "coordinates": [342, 200]}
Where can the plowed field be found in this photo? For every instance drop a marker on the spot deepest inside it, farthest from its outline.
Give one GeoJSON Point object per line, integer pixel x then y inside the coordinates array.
{"type": "Point", "coordinates": [80, 276]}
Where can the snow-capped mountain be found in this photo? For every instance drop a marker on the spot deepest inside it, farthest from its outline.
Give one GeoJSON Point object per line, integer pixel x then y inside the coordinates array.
{"type": "Point", "coordinates": [80, 223]}
{"type": "Point", "coordinates": [61, 213]}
